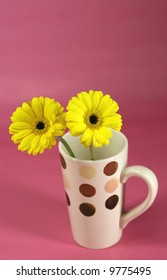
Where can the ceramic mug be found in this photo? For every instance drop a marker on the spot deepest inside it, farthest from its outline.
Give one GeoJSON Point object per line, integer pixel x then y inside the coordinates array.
{"type": "Point", "coordinates": [95, 190]}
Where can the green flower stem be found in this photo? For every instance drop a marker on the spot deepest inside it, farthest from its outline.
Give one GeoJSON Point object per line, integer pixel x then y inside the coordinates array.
{"type": "Point", "coordinates": [92, 155]}
{"type": "Point", "coordinates": [61, 139]}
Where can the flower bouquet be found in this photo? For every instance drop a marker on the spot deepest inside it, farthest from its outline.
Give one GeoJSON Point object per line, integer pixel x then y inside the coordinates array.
{"type": "Point", "coordinates": [38, 123]}
{"type": "Point", "coordinates": [93, 157]}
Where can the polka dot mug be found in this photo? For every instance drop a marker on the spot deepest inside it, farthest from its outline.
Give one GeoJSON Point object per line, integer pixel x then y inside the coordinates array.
{"type": "Point", "coordinates": [95, 190]}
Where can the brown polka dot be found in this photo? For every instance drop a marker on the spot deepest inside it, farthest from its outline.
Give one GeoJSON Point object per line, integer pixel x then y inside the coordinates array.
{"type": "Point", "coordinates": [87, 171]}
{"type": "Point", "coordinates": [111, 202]}
{"type": "Point", "coordinates": [110, 168]}
{"type": "Point", "coordinates": [63, 162]}
{"type": "Point", "coordinates": [87, 190]}
{"type": "Point", "coordinates": [68, 200]}
{"type": "Point", "coordinates": [66, 182]}
{"type": "Point", "coordinates": [87, 209]}
{"type": "Point", "coordinates": [111, 185]}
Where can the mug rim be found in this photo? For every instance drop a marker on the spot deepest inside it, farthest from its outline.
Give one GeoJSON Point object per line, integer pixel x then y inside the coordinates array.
{"type": "Point", "coordinates": [62, 152]}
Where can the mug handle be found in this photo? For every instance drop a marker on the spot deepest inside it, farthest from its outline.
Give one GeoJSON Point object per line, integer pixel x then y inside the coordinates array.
{"type": "Point", "coordinates": [149, 177]}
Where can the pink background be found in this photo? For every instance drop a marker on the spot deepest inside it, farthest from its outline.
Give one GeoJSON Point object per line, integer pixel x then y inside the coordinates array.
{"type": "Point", "coordinates": [57, 49]}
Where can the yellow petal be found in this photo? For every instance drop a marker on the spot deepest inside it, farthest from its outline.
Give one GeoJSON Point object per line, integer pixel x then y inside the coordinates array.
{"type": "Point", "coordinates": [110, 109]}
{"type": "Point", "coordinates": [96, 144]}
{"type": "Point", "coordinates": [76, 128]}
{"type": "Point", "coordinates": [56, 130]}
{"type": "Point", "coordinates": [71, 116]}
{"type": "Point", "coordinates": [22, 116]}
{"type": "Point", "coordinates": [98, 138]}
{"type": "Point", "coordinates": [36, 145]}
{"type": "Point", "coordinates": [51, 108]}
{"type": "Point", "coordinates": [41, 150]}
{"type": "Point", "coordinates": [86, 99]}
{"type": "Point", "coordinates": [25, 144]}
{"type": "Point", "coordinates": [43, 140]}
{"type": "Point", "coordinates": [20, 135]}
{"type": "Point", "coordinates": [35, 141]}
{"type": "Point", "coordinates": [52, 141]}
{"type": "Point", "coordinates": [17, 126]}
{"type": "Point", "coordinates": [77, 109]}
{"type": "Point", "coordinates": [96, 98]}
{"type": "Point", "coordinates": [27, 109]}
{"type": "Point", "coordinates": [37, 107]}
{"type": "Point", "coordinates": [77, 103]}
{"type": "Point", "coordinates": [87, 137]}
{"type": "Point", "coordinates": [114, 122]}
{"type": "Point", "coordinates": [42, 101]}
{"type": "Point", "coordinates": [105, 102]}
{"type": "Point", "coordinates": [105, 131]}
{"type": "Point", "coordinates": [55, 127]}
{"type": "Point", "coordinates": [48, 103]}
{"type": "Point", "coordinates": [101, 136]}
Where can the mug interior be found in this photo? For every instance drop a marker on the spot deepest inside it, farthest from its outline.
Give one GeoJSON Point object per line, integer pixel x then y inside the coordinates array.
{"type": "Point", "coordinates": [117, 144]}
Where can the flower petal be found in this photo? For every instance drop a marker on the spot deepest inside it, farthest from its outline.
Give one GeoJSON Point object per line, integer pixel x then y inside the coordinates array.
{"type": "Point", "coordinates": [27, 109]}
{"type": "Point", "coordinates": [110, 109]}
{"type": "Point", "coordinates": [18, 126]}
{"type": "Point", "coordinates": [76, 129]}
{"type": "Point", "coordinates": [87, 137]}
{"type": "Point", "coordinates": [77, 109]}
{"type": "Point", "coordinates": [114, 122]}
{"type": "Point", "coordinates": [101, 136]}
{"type": "Point", "coordinates": [37, 108]}
{"type": "Point", "coordinates": [96, 98]}
{"type": "Point", "coordinates": [78, 104]}
{"type": "Point", "coordinates": [71, 116]}
{"type": "Point", "coordinates": [86, 99]}
{"type": "Point", "coordinates": [25, 143]}
{"type": "Point", "coordinates": [44, 140]}
{"type": "Point", "coordinates": [36, 145]}
{"type": "Point", "coordinates": [106, 132]}
{"type": "Point", "coordinates": [22, 116]}
{"type": "Point", "coordinates": [20, 135]}
{"type": "Point", "coordinates": [105, 103]}
{"type": "Point", "coordinates": [51, 108]}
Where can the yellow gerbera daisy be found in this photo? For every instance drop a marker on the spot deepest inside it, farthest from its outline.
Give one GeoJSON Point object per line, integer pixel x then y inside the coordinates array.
{"type": "Point", "coordinates": [36, 123]}
{"type": "Point", "coordinates": [92, 115]}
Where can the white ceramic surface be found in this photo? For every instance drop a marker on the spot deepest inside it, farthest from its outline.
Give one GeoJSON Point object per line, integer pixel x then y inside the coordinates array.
{"type": "Point", "coordinates": [95, 190]}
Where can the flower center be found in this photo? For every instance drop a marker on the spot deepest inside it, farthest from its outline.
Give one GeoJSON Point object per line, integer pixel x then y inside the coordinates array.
{"type": "Point", "coordinates": [40, 125]}
{"type": "Point", "coordinates": [93, 119]}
